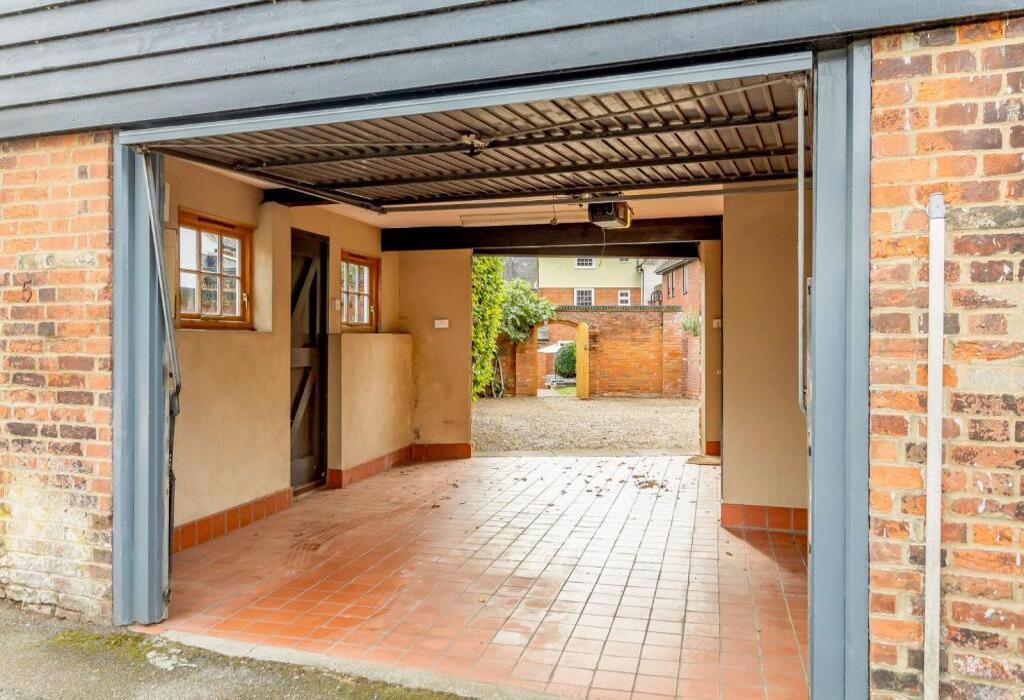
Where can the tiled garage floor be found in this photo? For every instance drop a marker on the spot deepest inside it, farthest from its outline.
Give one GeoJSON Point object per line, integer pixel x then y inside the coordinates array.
{"type": "Point", "coordinates": [578, 576]}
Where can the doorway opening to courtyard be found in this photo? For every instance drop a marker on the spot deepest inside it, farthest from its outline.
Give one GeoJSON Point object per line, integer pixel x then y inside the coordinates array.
{"type": "Point", "coordinates": [594, 354]}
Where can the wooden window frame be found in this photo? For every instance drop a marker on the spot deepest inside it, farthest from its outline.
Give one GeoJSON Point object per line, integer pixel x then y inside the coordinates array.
{"type": "Point", "coordinates": [576, 299]}
{"type": "Point", "coordinates": [374, 267]}
{"type": "Point", "coordinates": [244, 233]}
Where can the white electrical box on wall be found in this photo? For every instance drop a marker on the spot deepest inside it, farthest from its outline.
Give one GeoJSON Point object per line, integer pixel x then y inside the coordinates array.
{"type": "Point", "coordinates": [440, 323]}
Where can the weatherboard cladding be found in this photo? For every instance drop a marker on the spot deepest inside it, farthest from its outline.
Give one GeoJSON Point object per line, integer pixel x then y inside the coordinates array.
{"type": "Point", "coordinates": [73, 64]}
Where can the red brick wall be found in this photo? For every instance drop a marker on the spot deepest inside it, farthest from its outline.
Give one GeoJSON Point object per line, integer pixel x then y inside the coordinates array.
{"type": "Point", "coordinates": [690, 373]}
{"type": "Point", "coordinates": [632, 353]}
{"type": "Point", "coordinates": [693, 367]}
{"type": "Point", "coordinates": [55, 362]}
{"type": "Point", "coordinates": [947, 116]}
{"type": "Point", "coordinates": [673, 354]}
{"type": "Point", "coordinates": [564, 296]}
{"type": "Point", "coordinates": [628, 353]}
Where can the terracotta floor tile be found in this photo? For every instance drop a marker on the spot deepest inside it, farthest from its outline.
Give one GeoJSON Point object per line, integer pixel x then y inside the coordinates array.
{"type": "Point", "coordinates": [613, 680]}
{"type": "Point", "coordinates": [526, 580]}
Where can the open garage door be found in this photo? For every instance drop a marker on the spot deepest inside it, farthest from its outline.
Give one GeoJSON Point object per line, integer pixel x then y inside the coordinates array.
{"type": "Point", "coordinates": [643, 140]}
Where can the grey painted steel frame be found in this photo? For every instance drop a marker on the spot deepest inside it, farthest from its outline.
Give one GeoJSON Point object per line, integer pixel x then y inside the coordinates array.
{"type": "Point", "coordinates": [743, 68]}
{"type": "Point", "coordinates": [839, 376]}
{"type": "Point", "coordinates": [140, 400]}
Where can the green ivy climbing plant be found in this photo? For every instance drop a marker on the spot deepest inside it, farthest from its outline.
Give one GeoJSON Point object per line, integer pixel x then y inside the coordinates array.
{"type": "Point", "coordinates": [488, 296]}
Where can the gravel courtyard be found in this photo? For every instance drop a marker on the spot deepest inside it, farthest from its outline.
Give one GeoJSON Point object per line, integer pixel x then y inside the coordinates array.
{"type": "Point", "coordinates": [564, 424]}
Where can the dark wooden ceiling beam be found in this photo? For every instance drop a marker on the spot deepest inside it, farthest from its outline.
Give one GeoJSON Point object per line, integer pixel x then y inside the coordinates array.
{"type": "Point", "coordinates": [629, 250]}
{"type": "Point", "coordinates": [645, 232]}
{"type": "Point", "coordinates": [292, 198]}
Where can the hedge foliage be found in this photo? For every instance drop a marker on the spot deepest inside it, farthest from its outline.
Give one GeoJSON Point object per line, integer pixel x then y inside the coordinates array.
{"type": "Point", "coordinates": [488, 295]}
{"type": "Point", "coordinates": [565, 361]}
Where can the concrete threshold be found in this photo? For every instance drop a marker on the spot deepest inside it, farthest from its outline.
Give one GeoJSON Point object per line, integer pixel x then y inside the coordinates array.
{"type": "Point", "coordinates": [396, 675]}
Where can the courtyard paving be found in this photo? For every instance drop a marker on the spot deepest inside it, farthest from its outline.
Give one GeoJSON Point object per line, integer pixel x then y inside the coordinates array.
{"type": "Point", "coordinates": [560, 423]}
{"type": "Point", "coordinates": [600, 577]}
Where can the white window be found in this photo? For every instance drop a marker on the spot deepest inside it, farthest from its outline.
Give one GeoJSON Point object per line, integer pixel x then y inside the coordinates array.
{"type": "Point", "coordinates": [623, 297]}
{"type": "Point", "coordinates": [584, 297]}
{"type": "Point", "coordinates": [686, 280]}
{"type": "Point", "coordinates": [585, 262]}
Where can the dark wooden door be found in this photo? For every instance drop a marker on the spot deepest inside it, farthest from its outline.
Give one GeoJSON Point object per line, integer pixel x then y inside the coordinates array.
{"type": "Point", "coordinates": [308, 365]}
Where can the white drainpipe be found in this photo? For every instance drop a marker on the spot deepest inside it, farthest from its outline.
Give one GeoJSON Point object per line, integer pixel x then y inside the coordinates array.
{"type": "Point", "coordinates": [933, 472]}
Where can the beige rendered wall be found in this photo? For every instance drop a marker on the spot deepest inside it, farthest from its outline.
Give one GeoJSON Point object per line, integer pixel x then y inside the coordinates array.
{"type": "Point", "coordinates": [609, 272]}
{"type": "Point", "coordinates": [436, 285]}
{"type": "Point", "coordinates": [377, 395]}
{"type": "Point", "coordinates": [233, 438]}
{"type": "Point", "coordinates": [710, 253]}
{"type": "Point", "coordinates": [764, 441]}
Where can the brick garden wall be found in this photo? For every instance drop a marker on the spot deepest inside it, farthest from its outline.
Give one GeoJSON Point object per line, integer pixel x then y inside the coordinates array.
{"type": "Point", "coordinates": [947, 116]}
{"type": "Point", "coordinates": [55, 374]}
{"type": "Point", "coordinates": [634, 351]}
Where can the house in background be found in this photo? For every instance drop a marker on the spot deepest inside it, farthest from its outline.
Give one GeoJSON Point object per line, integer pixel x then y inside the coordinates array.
{"type": "Point", "coordinates": [590, 281]}
{"type": "Point", "coordinates": [681, 282]}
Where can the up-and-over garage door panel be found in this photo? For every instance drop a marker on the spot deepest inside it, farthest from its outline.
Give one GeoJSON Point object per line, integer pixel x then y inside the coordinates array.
{"type": "Point", "coordinates": [75, 64]}
{"type": "Point", "coordinates": [733, 130]}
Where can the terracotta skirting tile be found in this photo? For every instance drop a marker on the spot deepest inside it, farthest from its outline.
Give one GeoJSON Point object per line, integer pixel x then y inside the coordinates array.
{"type": "Point", "coordinates": [773, 518]}
{"type": "Point", "coordinates": [219, 524]}
{"type": "Point", "coordinates": [342, 478]}
{"type": "Point", "coordinates": [434, 451]}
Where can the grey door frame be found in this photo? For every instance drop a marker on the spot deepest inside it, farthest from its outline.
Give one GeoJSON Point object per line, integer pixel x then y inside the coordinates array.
{"type": "Point", "coordinates": [838, 341]}
{"type": "Point", "coordinates": [838, 414]}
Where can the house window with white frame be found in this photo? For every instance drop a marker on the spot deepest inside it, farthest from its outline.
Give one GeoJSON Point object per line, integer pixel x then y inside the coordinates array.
{"type": "Point", "coordinates": [685, 280]}
{"type": "Point", "coordinates": [624, 299]}
{"type": "Point", "coordinates": [585, 263]}
{"type": "Point", "coordinates": [583, 297]}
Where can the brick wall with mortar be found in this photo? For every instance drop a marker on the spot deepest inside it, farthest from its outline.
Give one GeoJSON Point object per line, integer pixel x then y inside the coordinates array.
{"type": "Point", "coordinates": [55, 374]}
{"type": "Point", "coordinates": [629, 352]}
{"type": "Point", "coordinates": [673, 354]}
{"type": "Point", "coordinates": [947, 116]}
{"type": "Point", "coordinates": [691, 302]}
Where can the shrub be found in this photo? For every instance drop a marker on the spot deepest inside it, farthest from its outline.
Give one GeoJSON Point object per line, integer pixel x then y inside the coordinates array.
{"type": "Point", "coordinates": [522, 310]}
{"type": "Point", "coordinates": [487, 297]}
{"type": "Point", "coordinates": [565, 360]}
{"type": "Point", "coordinates": [691, 322]}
